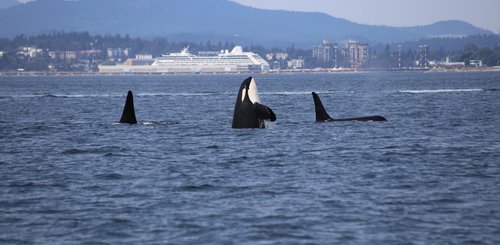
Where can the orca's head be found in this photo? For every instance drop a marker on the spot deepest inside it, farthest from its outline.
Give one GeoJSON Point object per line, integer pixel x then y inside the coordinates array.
{"type": "Point", "coordinates": [249, 89]}
{"type": "Point", "coordinates": [248, 112]}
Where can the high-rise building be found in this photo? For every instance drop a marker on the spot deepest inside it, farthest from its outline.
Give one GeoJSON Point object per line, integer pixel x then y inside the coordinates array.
{"type": "Point", "coordinates": [359, 53]}
{"type": "Point", "coordinates": [323, 52]}
{"type": "Point", "coordinates": [423, 56]}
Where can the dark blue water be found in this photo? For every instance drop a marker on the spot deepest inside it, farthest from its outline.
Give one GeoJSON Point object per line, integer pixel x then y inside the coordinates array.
{"type": "Point", "coordinates": [430, 175]}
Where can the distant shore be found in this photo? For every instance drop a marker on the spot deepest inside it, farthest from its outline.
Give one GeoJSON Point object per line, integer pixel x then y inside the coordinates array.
{"type": "Point", "coordinates": [294, 71]}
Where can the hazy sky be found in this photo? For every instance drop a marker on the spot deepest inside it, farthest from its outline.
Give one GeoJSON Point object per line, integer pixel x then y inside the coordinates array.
{"type": "Point", "coordinates": [481, 13]}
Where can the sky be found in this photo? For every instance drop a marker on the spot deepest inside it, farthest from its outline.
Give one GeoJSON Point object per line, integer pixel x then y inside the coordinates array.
{"type": "Point", "coordinates": [481, 13]}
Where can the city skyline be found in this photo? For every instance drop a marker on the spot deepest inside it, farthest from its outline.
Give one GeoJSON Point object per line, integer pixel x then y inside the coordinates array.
{"type": "Point", "coordinates": [400, 13]}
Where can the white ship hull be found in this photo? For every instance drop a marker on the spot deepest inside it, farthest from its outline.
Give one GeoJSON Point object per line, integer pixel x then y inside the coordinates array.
{"type": "Point", "coordinates": [235, 61]}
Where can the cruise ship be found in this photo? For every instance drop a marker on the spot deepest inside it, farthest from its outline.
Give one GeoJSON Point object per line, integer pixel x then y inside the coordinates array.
{"type": "Point", "coordinates": [236, 61]}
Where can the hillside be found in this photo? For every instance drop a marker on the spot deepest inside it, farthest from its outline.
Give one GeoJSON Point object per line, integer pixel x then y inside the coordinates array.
{"type": "Point", "coordinates": [202, 20]}
{"type": "Point", "coordinates": [8, 3]}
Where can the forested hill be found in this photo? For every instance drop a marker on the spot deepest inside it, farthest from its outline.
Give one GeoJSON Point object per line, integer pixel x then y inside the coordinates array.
{"type": "Point", "coordinates": [202, 20]}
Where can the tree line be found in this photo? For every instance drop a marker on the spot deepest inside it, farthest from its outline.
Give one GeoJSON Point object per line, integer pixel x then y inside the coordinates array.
{"type": "Point", "coordinates": [481, 47]}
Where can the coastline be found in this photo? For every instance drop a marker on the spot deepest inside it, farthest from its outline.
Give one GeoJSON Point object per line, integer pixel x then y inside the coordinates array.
{"type": "Point", "coordinates": [273, 72]}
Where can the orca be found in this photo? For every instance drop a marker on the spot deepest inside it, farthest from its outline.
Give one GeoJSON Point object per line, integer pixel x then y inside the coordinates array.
{"type": "Point", "coordinates": [128, 115]}
{"type": "Point", "coordinates": [322, 115]}
{"type": "Point", "coordinates": [248, 112]}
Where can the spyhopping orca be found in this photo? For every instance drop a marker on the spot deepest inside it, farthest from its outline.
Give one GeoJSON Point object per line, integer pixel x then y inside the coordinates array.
{"type": "Point", "coordinates": [128, 115]}
{"type": "Point", "coordinates": [322, 115]}
{"type": "Point", "coordinates": [248, 112]}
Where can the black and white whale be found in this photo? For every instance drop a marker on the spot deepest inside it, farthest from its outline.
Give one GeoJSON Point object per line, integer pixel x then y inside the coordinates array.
{"type": "Point", "coordinates": [322, 115]}
{"type": "Point", "coordinates": [128, 115]}
{"type": "Point", "coordinates": [248, 112]}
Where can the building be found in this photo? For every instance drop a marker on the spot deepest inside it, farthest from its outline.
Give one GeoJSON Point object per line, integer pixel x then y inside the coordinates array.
{"type": "Point", "coordinates": [323, 52]}
{"type": "Point", "coordinates": [30, 52]}
{"type": "Point", "coordinates": [355, 54]}
{"type": "Point", "coordinates": [140, 60]}
{"type": "Point", "coordinates": [341, 55]}
{"type": "Point", "coordinates": [476, 63]}
{"type": "Point", "coordinates": [358, 53]}
{"type": "Point", "coordinates": [281, 56]}
{"type": "Point", "coordinates": [118, 53]}
{"type": "Point", "coordinates": [448, 64]}
{"type": "Point", "coordinates": [63, 55]}
{"type": "Point", "coordinates": [73, 55]}
{"type": "Point", "coordinates": [423, 56]}
{"type": "Point", "coordinates": [90, 54]}
{"type": "Point", "coordinates": [277, 60]}
{"type": "Point", "coordinates": [143, 56]}
{"type": "Point", "coordinates": [296, 64]}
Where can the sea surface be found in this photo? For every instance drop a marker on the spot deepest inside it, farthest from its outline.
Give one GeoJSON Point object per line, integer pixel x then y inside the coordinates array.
{"type": "Point", "coordinates": [69, 174]}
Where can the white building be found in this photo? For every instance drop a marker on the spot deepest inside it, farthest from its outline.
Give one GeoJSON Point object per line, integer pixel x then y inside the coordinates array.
{"type": "Point", "coordinates": [476, 63]}
{"type": "Point", "coordinates": [296, 64]}
{"type": "Point", "coordinates": [30, 52]}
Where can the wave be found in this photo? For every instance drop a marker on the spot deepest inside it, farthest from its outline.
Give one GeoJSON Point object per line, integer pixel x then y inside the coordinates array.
{"type": "Point", "coordinates": [93, 150]}
{"type": "Point", "coordinates": [187, 94]}
{"type": "Point", "coordinates": [152, 123]}
{"type": "Point", "coordinates": [157, 94]}
{"type": "Point", "coordinates": [149, 123]}
{"type": "Point", "coordinates": [441, 91]}
{"type": "Point", "coordinates": [285, 93]}
{"type": "Point", "coordinates": [61, 95]}
{"type": "Point", "coordinates": [299, 92]}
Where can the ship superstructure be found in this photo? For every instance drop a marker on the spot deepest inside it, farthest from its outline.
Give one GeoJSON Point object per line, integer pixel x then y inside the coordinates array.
{"type": "Point", "coordinates": [236, 61]}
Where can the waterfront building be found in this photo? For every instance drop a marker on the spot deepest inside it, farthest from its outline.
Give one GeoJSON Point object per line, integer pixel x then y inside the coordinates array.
{"type": "Point", "coordinates": [281, 56]}
{"type": "Point", "coordinates": [448, 64]}
{"type": "Point", "coordinates": [323, 52]}
{"type": "Point", "coordinates": [296, 64]}
{"type": "Point", "coordinates": [476, 63]}
{"type": "Point", "coordinates": [29, 52]}
{"type": "Point", "coordinates": [423, 56]}
{"type": "Point", "coordinates": [140, 59]}
{"type": "Point", "coordinates": [63, 55]}
{"type": "Point", "coordinates": [73, 55]}
{"type": "Point", "coordinates": [118, 53]}
{"type": "Point", "coordinates": [90, 54]}
{"type": "Point", "coordinates": [358, 53]}
{"type": "Point", "coordinates": [277, 60]}
{"type": "Point", "coordinates": [144, 56]}
{"type": "Point", "coordinates": [354, 54]}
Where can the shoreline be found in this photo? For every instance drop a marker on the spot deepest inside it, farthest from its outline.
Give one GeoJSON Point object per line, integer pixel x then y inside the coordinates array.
{"type": "Point", "coordinates": [290, 72]}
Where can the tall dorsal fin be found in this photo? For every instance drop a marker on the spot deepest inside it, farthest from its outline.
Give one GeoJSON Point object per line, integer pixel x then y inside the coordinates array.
{"type": "Point", "coordinates": [321, 114]}
{"type": "Point", "coordinates": [128, 115]}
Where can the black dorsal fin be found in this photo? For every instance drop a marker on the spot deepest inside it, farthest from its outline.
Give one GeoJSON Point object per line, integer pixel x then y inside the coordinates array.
{"type": "Point", "coordinates": [321, 114]}
{"type": "Point", "coordinates": [128, 115]}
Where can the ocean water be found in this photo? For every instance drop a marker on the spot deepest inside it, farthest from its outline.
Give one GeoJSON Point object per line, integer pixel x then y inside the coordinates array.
{"type": "Point", "coordinates": [69, 174]}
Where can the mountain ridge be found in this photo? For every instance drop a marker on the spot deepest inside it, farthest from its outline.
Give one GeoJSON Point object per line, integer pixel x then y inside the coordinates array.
{"type": "Point", "coordinates": [8, 3]}
{"type": "Point", "coordinates": [216, 19]}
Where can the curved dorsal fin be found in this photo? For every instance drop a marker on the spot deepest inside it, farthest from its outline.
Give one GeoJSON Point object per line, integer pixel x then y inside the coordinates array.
{"type": "Point", "coordinates": [321, 114]}
{"type": "Point", "coordinates": [128, 115]}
